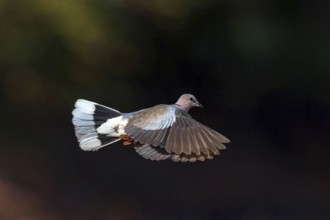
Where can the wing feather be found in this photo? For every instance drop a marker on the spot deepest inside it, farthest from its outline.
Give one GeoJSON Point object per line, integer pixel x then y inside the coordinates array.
{"type": "Point", "coordinates": [165, 132]}
{"type": "Point", "coordinates": [150, 125]}
{"type": "Point", "coordinates": [152, 153]}
{"type": "Point", "coordinates": [200, 142]}
{"type": "Point", "coordinates": [187, 140]}
{"type": "Point", "coordinates": [208, 142]}
{"type": "Point", "coordinates": [194, 142]}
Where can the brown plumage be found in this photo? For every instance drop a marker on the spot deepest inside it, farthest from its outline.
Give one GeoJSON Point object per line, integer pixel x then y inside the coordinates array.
{"type": "Point", "coordinates": [183, 140]}
{"type": "Point", "coordinates": [158, 133]}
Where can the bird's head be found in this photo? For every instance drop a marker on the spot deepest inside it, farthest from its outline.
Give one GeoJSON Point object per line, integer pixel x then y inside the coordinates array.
{"type": "Point", "coordinates": [186, 101]}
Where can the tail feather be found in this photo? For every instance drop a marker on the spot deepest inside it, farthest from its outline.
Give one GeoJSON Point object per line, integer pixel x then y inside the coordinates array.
{"type": "Point", "coordinates": [87, 117]}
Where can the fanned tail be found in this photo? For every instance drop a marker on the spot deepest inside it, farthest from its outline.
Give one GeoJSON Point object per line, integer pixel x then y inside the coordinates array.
{"type": "Point", "coordinates": [87, 117]}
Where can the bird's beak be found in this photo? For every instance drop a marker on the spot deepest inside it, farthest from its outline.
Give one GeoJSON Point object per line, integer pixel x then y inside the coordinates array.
{"type": "Point", "coordinates": [198, 104]}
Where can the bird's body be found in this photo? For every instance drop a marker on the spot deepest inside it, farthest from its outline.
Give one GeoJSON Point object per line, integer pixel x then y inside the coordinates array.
{"type": "Point", "coordinates": [158, 133]}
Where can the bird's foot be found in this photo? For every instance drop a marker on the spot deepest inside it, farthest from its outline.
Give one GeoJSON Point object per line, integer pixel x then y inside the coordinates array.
{"type": "Point", "coordinates": [124, 137]}
{"type": "Point", "coordinates": [127, 140]}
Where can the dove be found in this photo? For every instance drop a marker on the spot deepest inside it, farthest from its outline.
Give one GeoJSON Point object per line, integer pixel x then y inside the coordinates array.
{"type": "Point", "coordinates": [161, 132]}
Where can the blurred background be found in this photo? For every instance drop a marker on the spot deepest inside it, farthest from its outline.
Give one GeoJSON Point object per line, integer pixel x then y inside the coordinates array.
{"type": "Point", "coordinates": [260, 68]}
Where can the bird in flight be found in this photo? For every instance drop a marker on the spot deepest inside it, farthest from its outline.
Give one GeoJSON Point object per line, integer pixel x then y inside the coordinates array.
{"type": "Point", "coordinates": [157, 133]}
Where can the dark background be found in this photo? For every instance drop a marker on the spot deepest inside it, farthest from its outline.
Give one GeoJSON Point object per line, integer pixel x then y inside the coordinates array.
{"type": "Point", "coordinates": [260, 68]}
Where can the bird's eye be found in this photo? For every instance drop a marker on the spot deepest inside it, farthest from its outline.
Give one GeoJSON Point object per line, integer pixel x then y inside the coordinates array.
{"type": "Point", "coordinates": [192, 99]}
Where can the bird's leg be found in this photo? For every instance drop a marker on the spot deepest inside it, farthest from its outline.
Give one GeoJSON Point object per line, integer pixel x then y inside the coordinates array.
{"type": "Point", "coordinates": [127, 140]}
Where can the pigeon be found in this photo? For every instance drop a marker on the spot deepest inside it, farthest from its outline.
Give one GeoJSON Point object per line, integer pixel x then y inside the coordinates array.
{"type": "Point", "coordinates": [157, 133]}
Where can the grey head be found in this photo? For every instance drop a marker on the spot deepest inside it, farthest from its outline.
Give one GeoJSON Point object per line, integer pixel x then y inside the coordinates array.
{"type": "Point", "coordinates": [186, 101]}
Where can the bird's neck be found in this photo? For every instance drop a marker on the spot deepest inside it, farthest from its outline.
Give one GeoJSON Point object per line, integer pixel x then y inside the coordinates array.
{"type": "Point", "coordinates": [184, 108]}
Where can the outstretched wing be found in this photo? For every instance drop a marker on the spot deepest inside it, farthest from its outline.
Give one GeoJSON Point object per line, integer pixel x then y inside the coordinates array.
{"type": "Point", "coordinates": [165, 131]}
{"type": "Point", "coordinates": [151, 126]}
{"type": "Point", "coordinates": [189, 137]}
